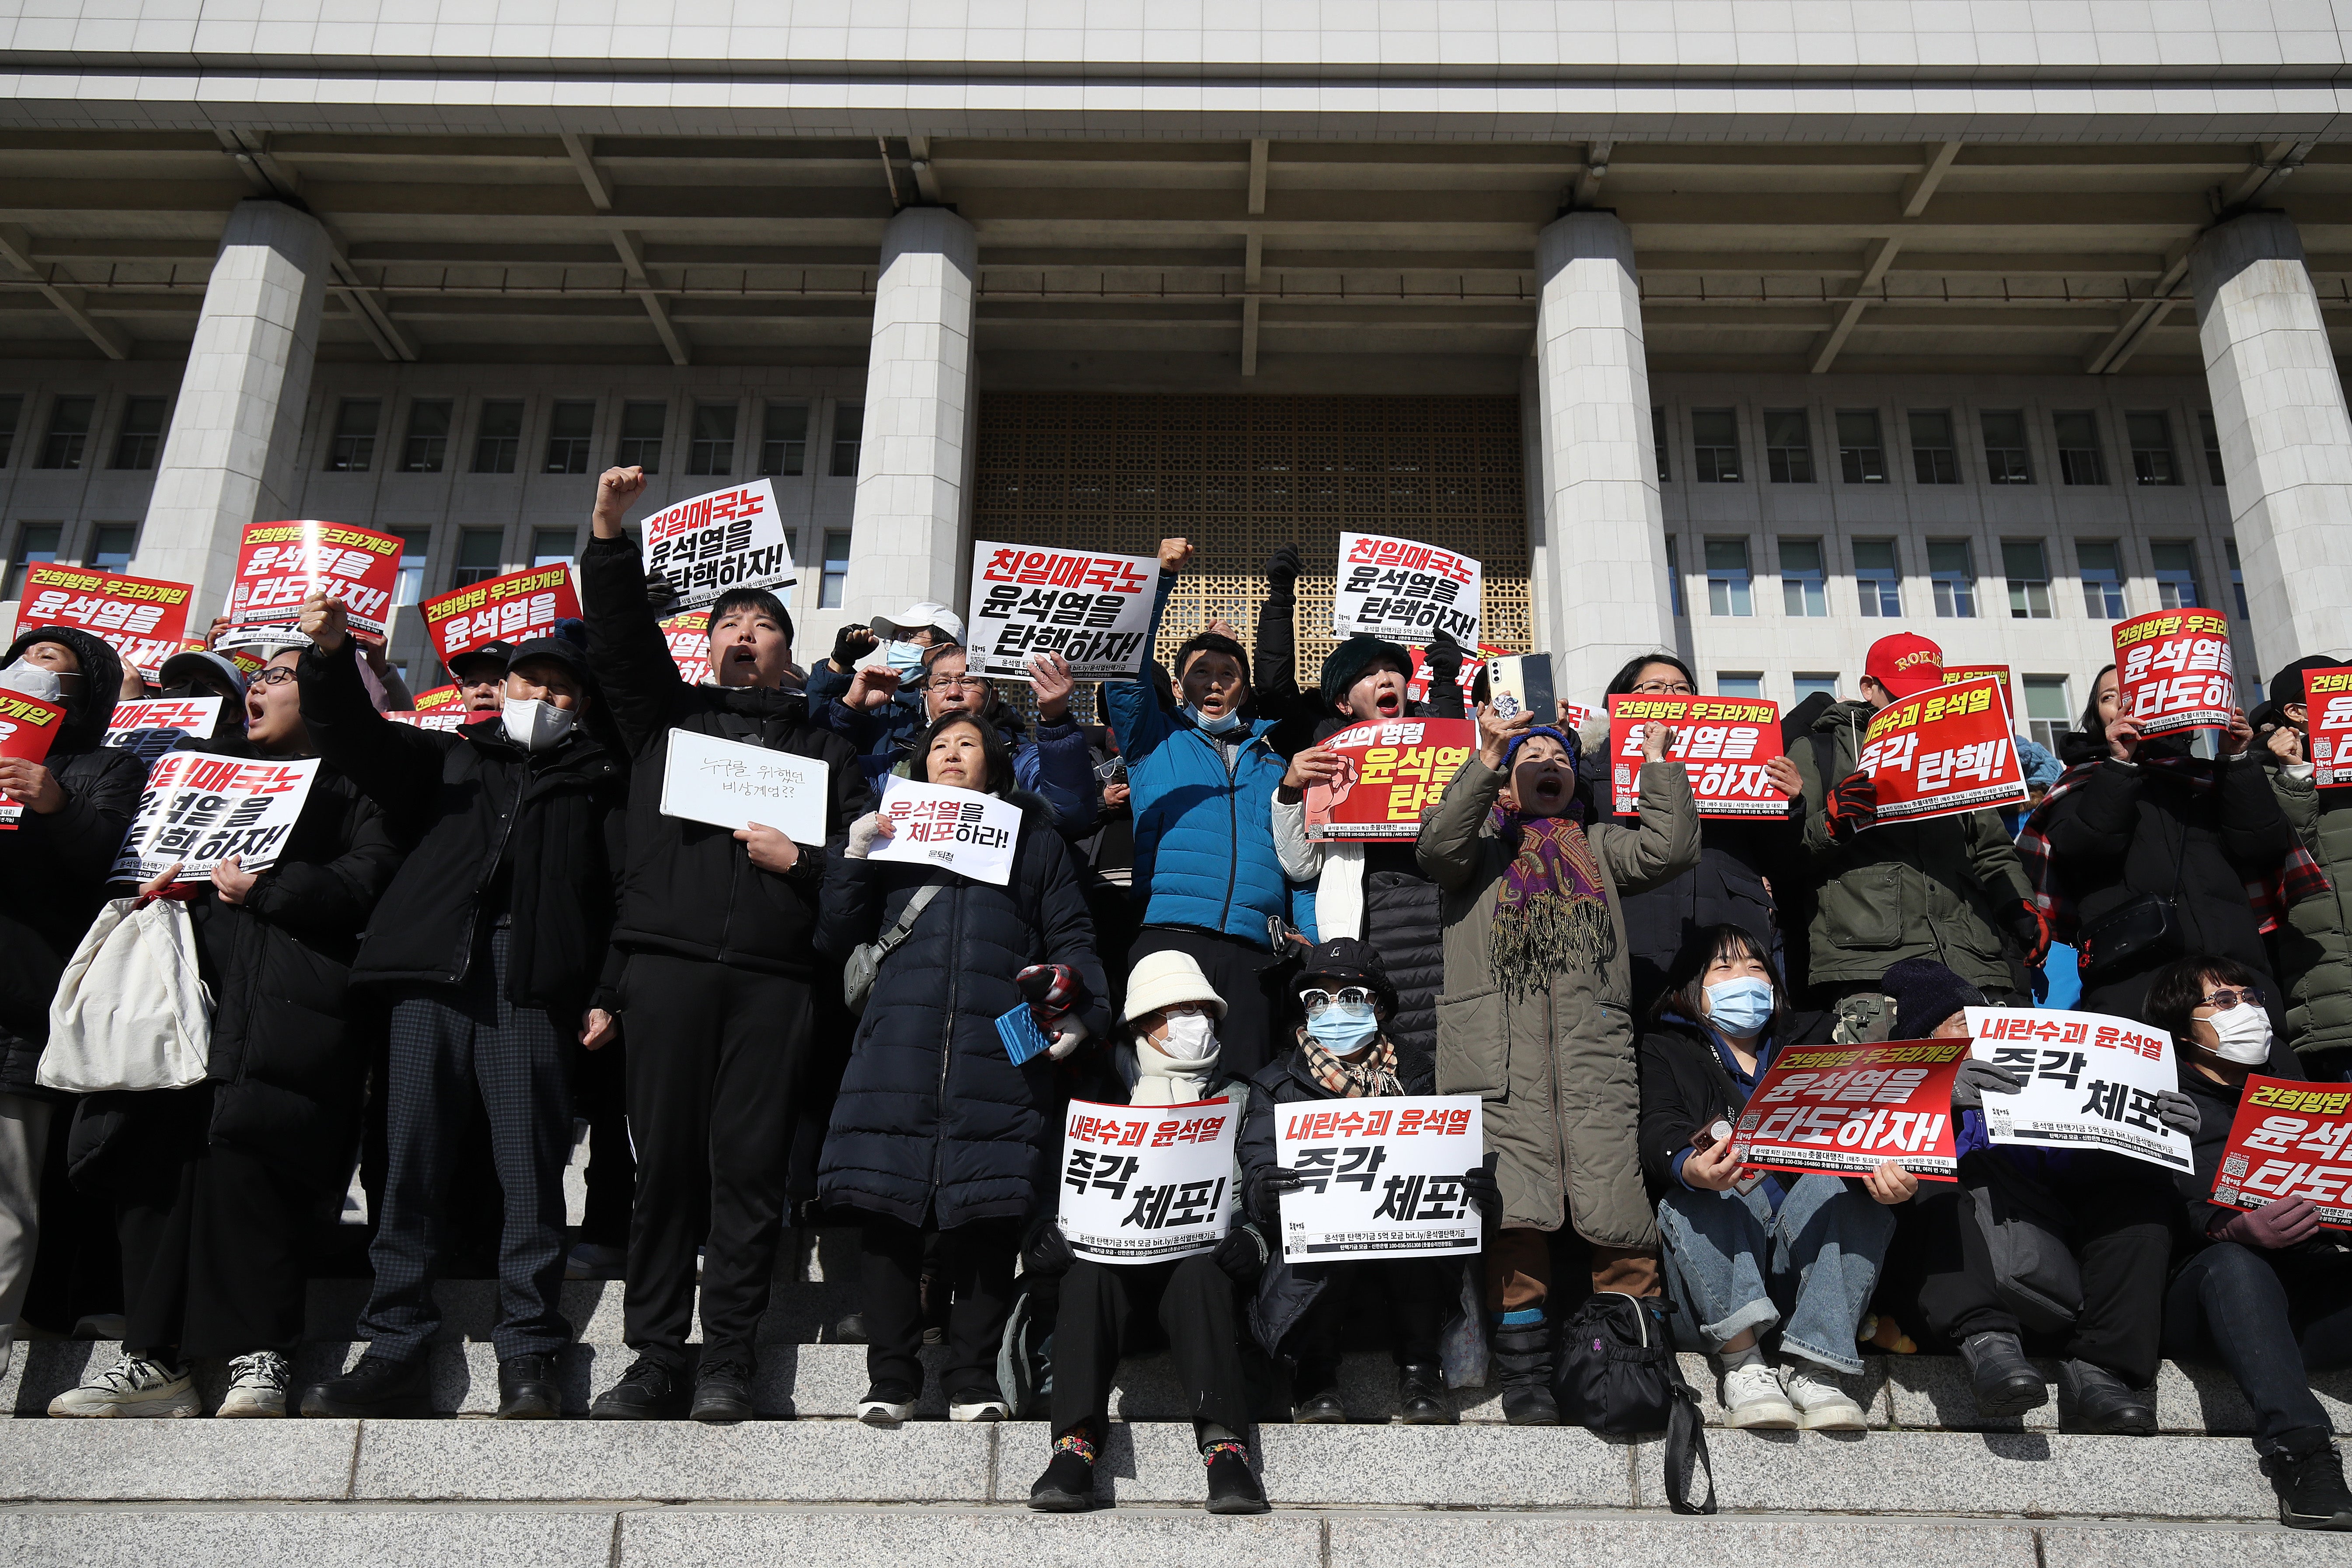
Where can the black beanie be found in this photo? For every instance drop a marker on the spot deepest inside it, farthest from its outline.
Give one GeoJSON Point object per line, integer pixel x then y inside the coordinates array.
{"type": "Point", "coordinates": [1925, 994]}
{"type": "Point", "coordinates": [1346, 664]}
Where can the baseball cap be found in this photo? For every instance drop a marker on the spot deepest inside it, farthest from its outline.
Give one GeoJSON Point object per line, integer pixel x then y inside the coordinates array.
{"type": "Point", "coordinates": [497, 654]}
{"type": "Point", "coordinates": [915, 617]}
{"type": "Point", "coordinates": [181, 666]}
{"type": "Point", "coordinates": [1905, 663]}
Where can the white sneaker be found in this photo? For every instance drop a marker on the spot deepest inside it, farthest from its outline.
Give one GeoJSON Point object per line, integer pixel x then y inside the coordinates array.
{"type": "Point", "coordinates": [886, 1405]}
{"type": "Point", "coordinates": [257, 1386]}
{"type": "Point", "coordinates": [981, 1410]}
{"type": "Point", "coordinates": [1752, 1397]}
{"type": "Point", "coordinates": [133, 1386]}
{"type": "Point", "coordinates": [1822, 1405]}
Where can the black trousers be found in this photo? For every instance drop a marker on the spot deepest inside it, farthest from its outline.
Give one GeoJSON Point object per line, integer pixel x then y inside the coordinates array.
{"type": "Point", "coordinates": [2121, 1235]}
{"type": "Point", "coordinates": [975, 1262]}
{"type": "Point", "coordinates": [600, 1097]}
{"type": "Point", "coordinates": [1101, 1302]}
{"type": "Point", "coordinates": [1411, 1293]}
{"type": "Point", "coordinates": [454, 1047]}
{"type": "Point", "coordinates": [2273, 1318]}
{"type": "Point", "coordinates": [1233, 967]}
{"type": "Point", "coordinates": [715, 1065]}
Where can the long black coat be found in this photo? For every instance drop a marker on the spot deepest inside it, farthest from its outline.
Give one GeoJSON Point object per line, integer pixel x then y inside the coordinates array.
{"type": "Point", "coordinates": [933, 1116]}
{"type": "Point", "coordinates": [54, 869]}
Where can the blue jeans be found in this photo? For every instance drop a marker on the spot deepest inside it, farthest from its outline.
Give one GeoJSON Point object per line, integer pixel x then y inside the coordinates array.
{"type": "Point", "coordinates": [1734, 1265]}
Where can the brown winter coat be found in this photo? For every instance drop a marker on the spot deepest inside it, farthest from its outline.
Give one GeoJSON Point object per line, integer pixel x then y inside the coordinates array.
{"type": "Point", "coordinates": [1556, 1070]}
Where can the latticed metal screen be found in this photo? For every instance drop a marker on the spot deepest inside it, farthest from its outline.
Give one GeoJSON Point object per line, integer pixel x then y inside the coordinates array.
{"type": "Point", "coordinates": [1242, 476]}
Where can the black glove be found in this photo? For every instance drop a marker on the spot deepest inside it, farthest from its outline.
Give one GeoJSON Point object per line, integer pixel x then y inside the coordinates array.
{"type": "Point", "coordinates": [1267, 1186]}
{"type": "Point", "coordinates": [1243, 1254]}
{"type": "Point", "coordinates": [1282, 569]}
{"type": "Point", "coordinates": [2178, 1111]}
{"type": "Point", "coordinates": [1478, 1185]}
{"type": "Point", "coordinates": [1444, 660]}
{"type": "Point", "coordinates": [1977, 1078]}
{"type": "Point", "coordinates": [1046, 1253]}
{"type": "Point", "coordinates": [851, 644]}
{"type": "Point", "coordinates": [658, 591]}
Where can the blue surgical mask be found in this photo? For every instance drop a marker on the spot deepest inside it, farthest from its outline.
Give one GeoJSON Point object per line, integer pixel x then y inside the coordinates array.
{"type": "Point", "coordinates": [1344, 1028]}
{"type": "Point", "coordinates": [1740, 1007]}
{"type": "Point", "coordinates": [905, 657]}
{"type": "Point", "coordinates": [1216, 726]}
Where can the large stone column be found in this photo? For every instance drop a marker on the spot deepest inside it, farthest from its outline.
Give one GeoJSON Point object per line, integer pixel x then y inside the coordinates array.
{"type": "Point", "coordinates": [911, 536]}
{"type": "Point", "coordinates": [2286, 441]}
{"type": "Point", "coordinates": [237, 430]}
{"type": "Point", "coordinates": [1602, 573]}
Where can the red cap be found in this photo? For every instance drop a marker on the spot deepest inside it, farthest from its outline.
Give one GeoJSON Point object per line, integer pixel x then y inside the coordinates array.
{"type": "Point", "coordinates": [1905, 663]}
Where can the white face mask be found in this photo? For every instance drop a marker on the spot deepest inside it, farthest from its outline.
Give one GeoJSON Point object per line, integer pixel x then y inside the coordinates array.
{"type": "Point", "coordinates": [2245, 1035]}
{"type": "Point", "coordinates": [535, 725]}
{"type": "Point", "coordinates": [37, 681]}
{"type": "Point", "coordinates": [1191, 1038]}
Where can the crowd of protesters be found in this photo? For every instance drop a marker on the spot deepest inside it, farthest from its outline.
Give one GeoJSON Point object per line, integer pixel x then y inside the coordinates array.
{"type": "Point", "coordinates": [476, 937]}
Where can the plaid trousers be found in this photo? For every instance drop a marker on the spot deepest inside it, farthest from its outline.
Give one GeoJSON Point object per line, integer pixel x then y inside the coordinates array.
{"type": "Point", "coordinates": [453, 1048]}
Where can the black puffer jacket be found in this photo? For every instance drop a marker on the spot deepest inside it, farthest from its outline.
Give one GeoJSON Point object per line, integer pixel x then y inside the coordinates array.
{"type": "Point", "coordinates": [2217, 1108]}
{"type": "Point", "coordinates": [496, 830]}
{"type": "Point", "coordinates": [690, 890]}
{"type": "Point", "coordinates": [933, 1117]}
{"type": "Point", "coordinates": [1685, 1086]}
{"type": "Point", "coordinates": [54, 869]}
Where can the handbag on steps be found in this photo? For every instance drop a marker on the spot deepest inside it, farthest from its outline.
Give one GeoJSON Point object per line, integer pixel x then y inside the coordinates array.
{"type": "Point", "coordinates": [1618, 1375]}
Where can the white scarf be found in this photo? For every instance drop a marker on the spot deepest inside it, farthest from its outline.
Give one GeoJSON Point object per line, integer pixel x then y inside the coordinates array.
{"type": "Point", "coordinates": [1154, 1077]}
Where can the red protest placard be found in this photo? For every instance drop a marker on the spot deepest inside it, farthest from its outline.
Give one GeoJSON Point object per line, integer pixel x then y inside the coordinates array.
{"type": "Point", "coordinates": [1394, 770]}
{"type": "Point", "coordinates": [1850, 1109]}
{"type": "Point", "coordinates": [1942, 752]}
{"type": "Point", "coordinates": [501, 609]}
{"type": "Point", "coordinates": [27, 726]}
{"type": "Point", "coordinates": [143, 619]}
{"type": "Point", "coordinates": [690, 644]}
{"type": "Point", "coordinates": [2172, 670]}
{"type": "Point", "coordinates": [280, 564]}
{"type": "Point", "coordinates": [2289, 1140]}
{"type": "Point", "coordinates": [437, 697]}
{"type": "Point", "coordinates": [1956, 674]}
{"type": "Point", "coordinates": [2327, 716]}
{"type": "Point", "coordinates": [1724, 743]}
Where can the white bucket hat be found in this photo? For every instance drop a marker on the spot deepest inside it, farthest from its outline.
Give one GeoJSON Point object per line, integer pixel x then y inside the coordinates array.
{"type": "Point", "coordinates": [1163, 978]}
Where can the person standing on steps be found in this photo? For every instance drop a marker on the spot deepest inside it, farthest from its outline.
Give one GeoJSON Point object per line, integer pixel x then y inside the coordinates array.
{"type": "Point", "coordinates": [486, 948]}
{"type": "Point", "coordinates": [719, 931]}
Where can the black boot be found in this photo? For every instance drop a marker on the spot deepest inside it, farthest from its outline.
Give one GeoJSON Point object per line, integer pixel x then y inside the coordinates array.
{"type": "Point", "coordinates": [1068, 1484]}
{"type": "Point", "coordinates": [2092, 1399]}
{"type": "Point", "coordinates": [1421, 1397]}
{"type": "Point", "coordinates": [1315, 1397]}
{"type": "Point", "coordinates": [377, 1386]}
{"type": "Point", "coordinates": [1523, 1371]}
{"type": "Point", "coordinates": [1232, 1487]}
{"type": "Point", "coordinates": [2311, 1491]}
{"type": "Point", "coordinates": [649, 1390]}
{"type": "Point", "coordinates": [2006, 1383]}
{"type": "Point", "coordinates": [527, 1389]}
{"type": "Point", "coordinates": [722, 1393]}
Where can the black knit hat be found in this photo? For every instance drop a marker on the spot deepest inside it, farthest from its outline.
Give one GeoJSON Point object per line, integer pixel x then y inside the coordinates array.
{"type": "Point", "coordinates": [1344, 665]}
{"type": "Point", "coordinates": [2287, 687]}
{"type": "Point", "coordinates": [1925, 994]}
{"type": "Point", "coordinates": [1344, 961]}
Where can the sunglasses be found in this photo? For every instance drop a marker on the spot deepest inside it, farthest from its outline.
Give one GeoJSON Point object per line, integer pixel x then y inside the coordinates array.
{"type": "Point", "coordinates": [2224, 999]}
{"type": "Point", "coordinates": [1353, 996]}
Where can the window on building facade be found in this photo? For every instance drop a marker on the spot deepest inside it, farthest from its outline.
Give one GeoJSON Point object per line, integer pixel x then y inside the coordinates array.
{"type": "Point", "coordinates": [1862, 450]}
{"type": "Point", "coordinates": [1952, 573]}
{"type": "Point", "coordinates": [2007, 460]}
{"type": "Point", "coordinates": [70, 422]}
{"type": "Point", "coordinates": [426, 450]}
{"type": "Point", "coordinates": [1812, 681]}
{"type": "Point", "coordinates": [642, 424]}
{"type": "Point", "coordinates": [2049, 713]}
{"type": "Point", "coordinates": [1739, 683]}
{"type": "Point", "coordinates": [784, 438]}
{"type": "Point", "coordinates": [550, 545]}
{"type": "Point", "coordinates": [713, 451]}
{"type": "Point", "coordinates": [36, 544]}
{"type": "Point", "coordinates": [1658, 440]}
{"type": "Point", "coordinates": [848, 430]}
{"type": "Point", "coordinates": [1715, 446]}
{"type": "Point", "coordinates": [12, 408]}
{"type": "Point", "coordinates": [2149, 431]}
{"type": "Point", "coordinates": [836, 568]}
{"type": "Point", "coordinates": [1934, 453]}
{"type": "Point", "coordinates": [1877, 577]}
{"type": "Point", "coordinates": [479, 550]}
{"type": "Point", "coordinates": [1788, 447]}
{"type": "Point", "coordinates": [2210, 436]}
{"type": "Point", "coordinates": [1728, 587]}
{"type": "Point", "coordinates": [2176, 573]}
{"type": "Point", "coordinates": [1804, 578]}
{"type": "Point", "coordinates": [352, 449]}
{"type": "Point", "coordinates": [2076, 433]}
{"type": "Point", "coordinates": [497, 438]}
{"type": "Point", "coordinates": [111, 545]}
{"type": "Point", "coordinates": [571, 427]}
{"type": "Point", "coordinates": [2237, 579]}
{"type": "Point", "coordinates": [1674, 577]}
{"type": "Point", "coordinates": [408, 585]}
{"type": "Point", "coordinates": [2101, 562]}
{"type": "Point", "coordinates": [141, 440]}
{"type": "Point", "coordinates": [2027, 566]}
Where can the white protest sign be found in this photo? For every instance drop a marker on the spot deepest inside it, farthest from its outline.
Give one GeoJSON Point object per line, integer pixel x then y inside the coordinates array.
{"type": "Point", "coordinates": [968, 833]}
{"type": "Point", "coordinates": [728, 539]}
{"type": "Point", "coordinates": [731, 784]}
{"type": "Point", "coordinates": [2090, 1082]}
{"type": "Point", "coordinates": [148, 729]}
{"type": "Point", "coordinates": [1143, 1184]}
{"type": "Point", "coordinates": [1383, 1177]}
{"type": "Point", "coordinates": [1405, 590]}
{"type": "Point", "coordinates": [200, 809]}
{"type": "Point", "coordinates": [1093, 609]}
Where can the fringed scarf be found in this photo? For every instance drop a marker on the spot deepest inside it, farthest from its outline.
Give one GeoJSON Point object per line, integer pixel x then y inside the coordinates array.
{"type": "Point", "coordinates": [1552, 914]}
{"type": "Point", "coordinates": [1368, 1077]}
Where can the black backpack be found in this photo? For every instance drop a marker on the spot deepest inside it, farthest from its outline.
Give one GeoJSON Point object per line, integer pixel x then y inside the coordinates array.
{"type": "Point", "coordinates": [1619, 1377]}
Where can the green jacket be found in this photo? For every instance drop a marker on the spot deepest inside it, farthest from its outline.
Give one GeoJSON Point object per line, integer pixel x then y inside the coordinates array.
{"type": "Point", "coordinates": [1556, 1069]}
{"type": "Point", "coordinates": [2315, 945]}
{"type": "Point", "coordinates": [1945, 888]}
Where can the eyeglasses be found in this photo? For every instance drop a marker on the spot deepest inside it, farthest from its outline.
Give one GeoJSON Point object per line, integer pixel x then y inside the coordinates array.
{"type": "Point", "coordinates": [955, 682]}
{"type": "Point", "coordinates": [1664, 689]}
{"type": "Point", "coordinates": [1349, 996]}
{"type": "Point", "coordinates": [276, 675]}
{"type": "Point", "coordinates": [2223, 999]}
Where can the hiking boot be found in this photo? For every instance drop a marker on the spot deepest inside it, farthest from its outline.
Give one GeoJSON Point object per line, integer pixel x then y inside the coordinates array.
{"type": "Point", "coordinates": [2311, 1491]}
{"type": "Point", "coordinates": [722, 1393]}
{"type": "Point", "coordinates": [527, 1389]}
{"type": "Point", "coordinates": [378, 1386]}
{"type": "Point", "coordinates": [257, 1386]}
{"type": "Point", "coordinates": [648, 1391]}
{"type": "Point", "coordinates": [1754, 1400]}
{"type": "Point", "coordinates": [1068, 1484]}
{"type": "Point", "coordinates": [1523, 1366]}
{"type": "Point", "coordinates": [1232, 1487]}
{"type": "Point", "coordinates": [887, 1404]}
{"type": "Point", "coordinates": [1421, 1397]}
{"type": "Point", "coordinates": [1822, 1403]}
{"type": "Point", "coordinates": [2092, 1399]}
{"type": "Point", "coordinates": [2006, 1384]}
{"type": "Point", "coordinates": [136, 1387]}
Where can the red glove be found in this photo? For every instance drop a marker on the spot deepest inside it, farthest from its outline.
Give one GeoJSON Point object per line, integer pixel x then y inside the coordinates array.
{"type": "Point", "coordinates": [1852, 805]}
{"type": "Point", "coordinates": [2281, 1224]}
